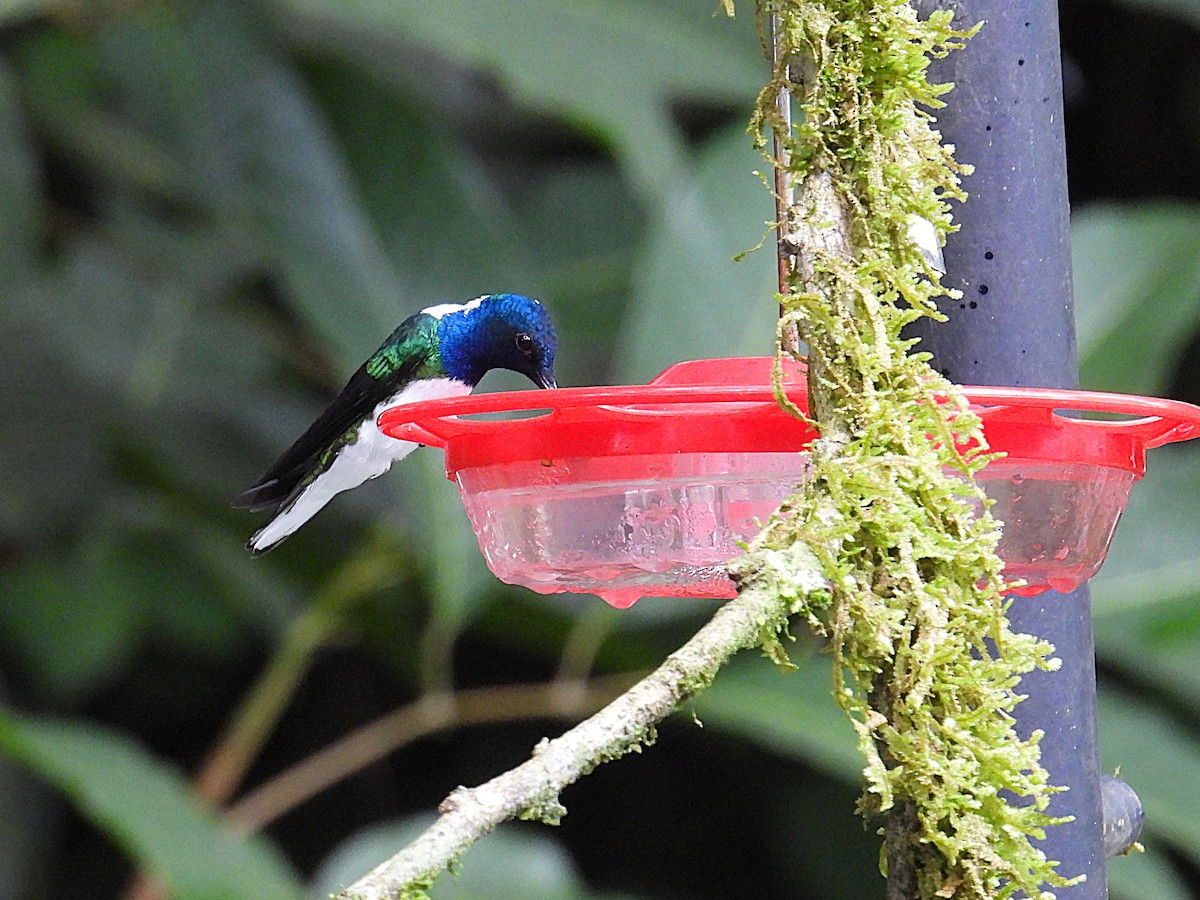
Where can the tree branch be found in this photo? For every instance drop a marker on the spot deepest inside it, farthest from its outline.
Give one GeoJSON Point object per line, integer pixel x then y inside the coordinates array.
{"type": "Point", "coordinates": [424, 716]}
{"type": "Point", "coordinates": [531, 789]}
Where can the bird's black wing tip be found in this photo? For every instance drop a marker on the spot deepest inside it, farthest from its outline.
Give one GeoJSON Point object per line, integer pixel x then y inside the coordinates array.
{"type": "Point", "coordinates": [260, 496]}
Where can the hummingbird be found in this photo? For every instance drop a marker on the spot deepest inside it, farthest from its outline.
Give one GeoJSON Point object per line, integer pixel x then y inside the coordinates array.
{"type": "Point", "coordinates": [442, 351]}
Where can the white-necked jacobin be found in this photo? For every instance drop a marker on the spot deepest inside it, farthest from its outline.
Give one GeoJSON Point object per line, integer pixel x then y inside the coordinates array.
{"type": "Point", "coordinates": [442, 351]}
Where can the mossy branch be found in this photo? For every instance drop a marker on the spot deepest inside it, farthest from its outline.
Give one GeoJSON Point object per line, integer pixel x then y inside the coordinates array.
{"type": "Point", "coordinates": [774, 589]}
{"type": "Point", "coordinates": [925, 664]}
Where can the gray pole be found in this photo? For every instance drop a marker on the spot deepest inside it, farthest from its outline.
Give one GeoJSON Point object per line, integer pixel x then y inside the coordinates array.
{"type": "Point", "coordinates": [1015, 326]}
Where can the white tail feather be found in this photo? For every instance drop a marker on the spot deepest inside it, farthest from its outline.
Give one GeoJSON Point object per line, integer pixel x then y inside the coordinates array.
{"type": "Point", "coordinates": [369, 456]}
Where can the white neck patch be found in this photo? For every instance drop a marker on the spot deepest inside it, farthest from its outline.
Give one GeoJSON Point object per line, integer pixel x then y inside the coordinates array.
{"type": "Point", "coordinates": [443, 309]}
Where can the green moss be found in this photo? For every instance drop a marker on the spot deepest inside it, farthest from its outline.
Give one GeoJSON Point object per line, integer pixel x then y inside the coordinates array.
{"type": "Point", "coordinates": [547, 810]}
{"type": "Point", "coordinates": [925, 664]}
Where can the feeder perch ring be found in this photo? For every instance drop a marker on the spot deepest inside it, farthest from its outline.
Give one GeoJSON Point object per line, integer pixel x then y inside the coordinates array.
{"type": "Point", "coordinates": [648, 490]}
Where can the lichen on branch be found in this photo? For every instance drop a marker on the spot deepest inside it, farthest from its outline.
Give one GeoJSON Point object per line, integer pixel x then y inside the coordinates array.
{"type": "Point", "coordinates": [925, 663]}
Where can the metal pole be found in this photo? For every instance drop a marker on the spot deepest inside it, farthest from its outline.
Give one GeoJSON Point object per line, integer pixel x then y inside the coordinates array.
{"type": "Point", "coordinates": [1015, 326]}
{"type": "Point", "coordinates": [783, 190]}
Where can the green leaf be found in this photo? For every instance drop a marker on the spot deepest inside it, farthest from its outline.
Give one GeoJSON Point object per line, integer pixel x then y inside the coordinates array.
{"type": "Point", "coordinates": [19, 226]}
{"type": "Point", "coordinates": [691, 299]}
{"type": "Point", "coordinates": [181, 609]}
{"type": "Point", "coordinates": [69, 99]}
{"type": "Point", "coordinates": [1150, 874]}
{"type": "Point", "coordinates": [613, 67]}
{"type": "Point", "coordinates": [147, 809]}
{"type": "Point", "coordinates": [459, 578]}
{"type": "Point", "coordinates": [50, 447]}
{"type": "Point", "coordinates": [1159, 530]}
{"type": "Point", "coordinates": [71, 633]}
{"type": "Point", "coordinates": [435, 205]}
{"type": "Point", "coordinates": [139, 323]}
{"type": "Point", "coordinates": [584, 272]}
{"type": "Point", "coordinates": [1157, 641]}
{"type": "Point", "coordinates": [432, 203]}
{"type": "Point", "coordinates": [31, 812]}
{"type": "Point", "coordinates": [1147, 596]}
{"type": "Point", "coordinates": [249, 151]}
{"type": "Point", "coordinates": [1158, 756]}
{"type": "Point", "coordinates": [791, 713]}
{"type": "Point", "coordinates": [14, 10]}
{"type": "Point", "coordinates": [1137, 275]}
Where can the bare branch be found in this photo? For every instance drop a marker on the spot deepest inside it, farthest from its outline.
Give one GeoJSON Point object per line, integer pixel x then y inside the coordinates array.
{"type": "Point", "coordinates": [531, 789]}
{"type": "Point", "coordinates": [428, 715]}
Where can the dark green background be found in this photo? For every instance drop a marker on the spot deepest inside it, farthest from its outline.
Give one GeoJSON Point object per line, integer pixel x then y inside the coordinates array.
{"type": "Point", "coordinates": [211, 212]}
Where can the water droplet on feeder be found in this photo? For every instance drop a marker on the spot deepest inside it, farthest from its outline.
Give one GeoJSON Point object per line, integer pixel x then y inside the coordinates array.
{"type": "Point", "coordinates": [619, 599]}
{"type": "Point", "coordinates": [1062, 584]}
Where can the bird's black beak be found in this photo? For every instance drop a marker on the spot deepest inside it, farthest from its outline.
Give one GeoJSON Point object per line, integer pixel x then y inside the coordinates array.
{"type": "Point", "coordinates": [544, 380]}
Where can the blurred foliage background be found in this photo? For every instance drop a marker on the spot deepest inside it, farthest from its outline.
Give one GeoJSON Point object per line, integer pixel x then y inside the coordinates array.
{"type": "Point", "coordinates": [212, 210]}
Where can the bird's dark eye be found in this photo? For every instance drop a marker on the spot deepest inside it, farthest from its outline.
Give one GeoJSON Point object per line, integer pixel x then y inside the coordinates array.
{"type": "Point", "coordinates": [524, 343]}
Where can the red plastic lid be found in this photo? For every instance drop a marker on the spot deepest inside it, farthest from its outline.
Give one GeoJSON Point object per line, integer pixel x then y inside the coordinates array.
{"type": "Point", "coordinates": [727, 405]}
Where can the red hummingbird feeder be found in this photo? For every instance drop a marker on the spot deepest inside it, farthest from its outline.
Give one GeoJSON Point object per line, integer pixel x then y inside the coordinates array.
{"type": "Point", "coordinates": [648, 490]}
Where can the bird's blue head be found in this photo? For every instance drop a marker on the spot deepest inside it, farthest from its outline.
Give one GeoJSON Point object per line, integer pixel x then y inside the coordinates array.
{"type": "Point", "coordinates": [498, 331]}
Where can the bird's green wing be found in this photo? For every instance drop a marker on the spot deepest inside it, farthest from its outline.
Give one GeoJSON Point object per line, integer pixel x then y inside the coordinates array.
{"type": "Point", "coordinates": [410, 352]}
